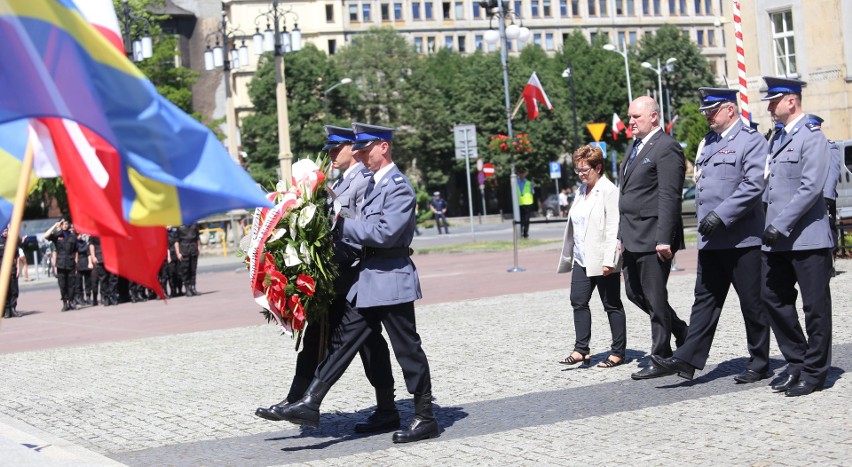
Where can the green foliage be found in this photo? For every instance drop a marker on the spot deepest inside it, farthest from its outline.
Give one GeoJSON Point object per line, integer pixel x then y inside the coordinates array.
{"type": "Point", "coordinates": [690, 129]}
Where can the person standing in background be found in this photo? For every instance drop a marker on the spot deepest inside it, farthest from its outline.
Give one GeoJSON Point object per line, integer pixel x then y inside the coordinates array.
{"type": "Point", "coordinates": [187, 247]}
{"type": "Point", "coordinates": [10, 308]}
{"type": "Point", "coordinates": [526, 198]}
{"type": "Point", "coordinates": [65, 263]}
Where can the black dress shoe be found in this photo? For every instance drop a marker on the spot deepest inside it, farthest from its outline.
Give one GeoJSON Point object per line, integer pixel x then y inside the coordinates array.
{"type": "Point", "coordinates": [268, 413]}
{"type": "Point", "coordinates": [651, 371]}
{"type": "Point", "coordinates": [418, 430]}
{"type": "Point", "coordinates": [802, 388]}
{"type": "Point", "coordinates": [750, 376]}
{"type": "Point", "coordinates": [379, 421]}
{"type": "Point", "coordinates": [675, 365]}
{"type": "Point", "coordinates": [786, 383]}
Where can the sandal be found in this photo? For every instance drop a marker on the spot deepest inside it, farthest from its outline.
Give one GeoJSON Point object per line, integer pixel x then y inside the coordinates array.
{"type": "Point", "coordinates": [571, 360]}
{"type": "Point", "coordinates": [609, 362]}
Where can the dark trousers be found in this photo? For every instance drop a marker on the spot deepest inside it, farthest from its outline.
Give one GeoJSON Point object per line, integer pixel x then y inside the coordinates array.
{"type": "Point", "coordinates": [526, 210]}
{"type": "Point", "coordinates": [645, 278]}
{"type": "Point", "coordinates": [188, 265]}
{"type": "Point", "coordinates": [717, 270]}
{"type": "Point", "coordinates": [83, 285]}
{"type": "Point", "coordinates": [359, 325]}
{"type": "Point", "coordinates": [375, 354]}
{"type": "Point", "coordinates": [106, 281]}
{"type": "Point", "coordinates": [174, 278]}
{"type": "Point", "coordinates": [811, 269]}
{"type": "Point", "coordinates": [66, 280]}
{"type": "Point", "coordinates": [441, 221]}
{"type": "Point", "coordinates": [609, 290]}
{"type": "Point", "coordinates": [12, 293]}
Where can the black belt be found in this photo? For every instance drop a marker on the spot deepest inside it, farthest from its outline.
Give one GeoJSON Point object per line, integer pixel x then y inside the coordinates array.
{"type": "Point", "coordinates": [404, 252]}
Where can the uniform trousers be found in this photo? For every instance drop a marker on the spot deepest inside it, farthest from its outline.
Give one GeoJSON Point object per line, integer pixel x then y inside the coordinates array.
{"type": "Point", "coordinates": [83, 284]}
{"type": "Point", "coordinates": [609, 290]}
{"type": "Point", "coordinates": [12, 293]}
{"type": "Point", "coordinates": [67, 280]}
{"type": "Point", "coordinates": [717, 270]}
{"type": "Point", "coordinates": [645, 278]}
{"type": "Point", "coordinates": [188, 266]}
{"type": "Point", "coordinates": [809, 358]}
{"type": "Point", "coordinates": [526, 212]}
{"type": "Point", "coordinates": [361, 324]}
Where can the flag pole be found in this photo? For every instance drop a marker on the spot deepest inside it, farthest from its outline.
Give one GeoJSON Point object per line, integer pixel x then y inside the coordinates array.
{"type": "Point", "coordinates": [15, 226]}
{"type": "Point", "coordinates": [517, 107]}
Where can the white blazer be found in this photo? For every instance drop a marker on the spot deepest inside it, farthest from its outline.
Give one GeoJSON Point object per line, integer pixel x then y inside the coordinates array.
{"type": "Point", "coordinates": [600, 238]}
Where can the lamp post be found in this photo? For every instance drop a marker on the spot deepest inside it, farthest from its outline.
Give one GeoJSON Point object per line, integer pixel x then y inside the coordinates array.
{"type": "Point", "coordinates": [659, 72]}
{"type": "Point", "coordinates": [325, 96]}
{"type": "Point", "coordinates": [277, 39]}
{"type": "Point", "coordinates": [623, 53]}
{"type": "Point", "coordinates": [504, 35]}
{"type": "Point", "coordinates": [568, 73]}
{"type": "Point", "coordinates": [221, 57]}
{"type": "Point", "coordinates": [137, 47]}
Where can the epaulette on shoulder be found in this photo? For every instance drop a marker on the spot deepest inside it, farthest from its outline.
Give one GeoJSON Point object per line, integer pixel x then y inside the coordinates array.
{"type": "Point", "coordinates": [398, 179]}
{"type": "Point", "coordinates": [366, 172]}
{"type": "Point", "coordinates": [813, 127]}
{"type": "Point", "coordinates": [748, 129]}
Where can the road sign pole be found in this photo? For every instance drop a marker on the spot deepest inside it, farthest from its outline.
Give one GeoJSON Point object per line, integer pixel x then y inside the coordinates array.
{"type": "Point", "coordinates": [482, 190]}
{"type": "Point", "coordinates": [467, 166]}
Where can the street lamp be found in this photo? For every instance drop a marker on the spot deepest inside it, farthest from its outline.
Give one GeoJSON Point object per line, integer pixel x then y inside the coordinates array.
{"type": "Point", "coordinates": [221, 57]}
{"type": "Point", "coordinates": [623, 53]}
{"type": "Point", "coordinates": [325, 96]}
{"type": "Point", "coordinates": [568, 73]}
{"type": "Point", "coordinates": [277, 39]}
{"type": "Point", "coordinates": [504, 35]}
{"type": "Point", "coordinates": [659, 72]}
{"type": "Point", "coordinates": [137, 47]}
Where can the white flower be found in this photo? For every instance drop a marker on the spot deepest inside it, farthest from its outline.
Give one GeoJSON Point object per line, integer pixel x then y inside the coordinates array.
{"type": "Point", "coordinates": [276, 235]}
{"type": "Point", "coordinates": [306, 254]}
{"type": "Point", "coordinates": [302, 169]}
{"type": "Point", "coordinates": [282, 186]}
{"type": "Point", "coordinates": [291, 257]}
{"type": "Point", "coordinates": [293, 223]}
{"type": "Point", "coordinates": [307, 214]}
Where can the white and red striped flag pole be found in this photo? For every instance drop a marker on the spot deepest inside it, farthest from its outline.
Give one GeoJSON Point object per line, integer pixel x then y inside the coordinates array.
{"type": "Point", "coordinates": [738, 34]}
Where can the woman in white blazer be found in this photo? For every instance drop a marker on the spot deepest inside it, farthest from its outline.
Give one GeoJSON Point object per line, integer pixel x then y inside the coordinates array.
{"type": "Point", "coordinates": [590, 251]}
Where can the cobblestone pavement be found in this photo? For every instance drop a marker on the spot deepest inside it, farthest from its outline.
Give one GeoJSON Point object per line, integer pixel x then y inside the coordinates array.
{"type": "Point", "coordinates": [189, 399]}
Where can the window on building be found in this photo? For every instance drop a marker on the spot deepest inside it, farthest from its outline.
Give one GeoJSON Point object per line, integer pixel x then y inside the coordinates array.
{"type": "Point", "coordinates": [477, 41]}
{"type": "Point", "coordinates": [621, 38]}
{"type": "Point", "coordinates": [631, 9]}
{"type": "Point", "coordinates": [509, 46]}
{"type": "Point", "coordinates": [646, 7]}
{"type": "Point", "coordinates": [699, 37]}
{"type": "Point", "coordinates": [683, 11]}
{"type": "Point", "coordinates": [397, 11]}
{"type": "Point", "coordinates": [649, 34]}
{"type": "Point", "coordinates": [593, 37]}
{"type": "Point", "coordinates": [563, 8]}
{"type": "Point", "coordinates": [448, 42]}
{"type": "Point", "coordinates": [565, 37]}
{"type": "Point", "coordinates": [631, 38]}
{"type": "Point", "coordinates": [428, 10]}
{"type": "Point", "coordinates": [708, 7]}
{"type": "Point", "coordinates": [711, 38]}
{"type": "Point", "coordinates": [537, 39]}
{"type": "Point", "coordinates": [784, 43]}
{"type": "Point", "coordinates": [592, 9]}
{"type": "Point", "coordinates": [697, 7]}
{"type": "Point", "coordinates": [548, 42]}
{"type": "Point", "coordinates": [430, 44]}
{"type": "Point", "coordinates": [385, 9]}
{"type": "Point", "coordinates": [418, 45]}
{"type": "Point", "coordinates": [332, 46]}
{"type": "Point", "coordinates": [365, 12]}
{"type": "Point", "coordinates": [517, 7]}
{"type": "Point", "coordinates": [353, 12]}
{"type": "Point", "coordinates": [462, 48]}
{"type": "Point", "coordinates": [672, 4]}
{"type": "Point", "coordinates": [459, 10]}
{"type": "Point", "coordinates": [657, 8]}
{"type": "Point", "coordinates": [602, 9]}
{"type": "Point", "coordinates": [329, 13]}
{"type": "Point", "coordinates": [445, 10]}
{"type": "Point", "coordinates": [415, 11]}
{"type": "Point", "coordinates": [619, 7]}
{"type": "Point", "coordinates": [534, 11]}
{"type": "Point", "coordinates": [545, 9]}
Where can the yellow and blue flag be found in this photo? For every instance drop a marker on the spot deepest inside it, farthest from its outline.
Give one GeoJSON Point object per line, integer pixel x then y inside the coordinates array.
{"type": "Point", "coordinates": [13, 144]}
{"type": "Point", "coordinates": [56, 64]}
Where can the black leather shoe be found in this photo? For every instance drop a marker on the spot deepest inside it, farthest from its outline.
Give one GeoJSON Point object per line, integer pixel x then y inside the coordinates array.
{"type": "Point", "coordinates": [782, 385]}
{"type": "Point", "coordinates": [675, 365]}
{"type": "Point", "coordinates": [418, 430]}
{"type": "Point", "coordinates": [305, 411]}
{"type": "Point", "coordinates": [268, 413]}
{"type": "Point", "coordinates": [379, 421]}
{"type": "Point", "coordinates": [750, 376]}
{"type": "Point", "coordinates": [802, 388]}
{"type": "Point", "coordinates": [651, 371]}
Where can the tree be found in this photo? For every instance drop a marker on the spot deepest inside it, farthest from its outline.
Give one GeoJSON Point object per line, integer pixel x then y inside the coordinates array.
{"type": "Point", "coordinates": [691, 129]}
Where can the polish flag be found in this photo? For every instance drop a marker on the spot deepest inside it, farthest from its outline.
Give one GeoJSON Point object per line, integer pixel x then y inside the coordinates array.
{"type": "Point", "coordinates": [533, 94]}
{"type": "Point", "coordinates": [671, 125]}
{"type": "Point", "coordinates": [618, 126]}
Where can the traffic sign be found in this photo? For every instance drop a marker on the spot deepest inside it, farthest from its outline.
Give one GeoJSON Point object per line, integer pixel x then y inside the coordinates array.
{"type": "Point", "coordinates": [465, 141]}
{"type": "Point", "coordinates": [479, 163]}
{"type": "Point", "coordinates": [488, 169]}
{"type": "Point", "coordinates": [555, 170]}
{"type": "Point", "coordinates": [601, 145]}
{"type": "Point", "coordinates": [596, 129]}
{"type": "Point", "coordinates": [480, 177]}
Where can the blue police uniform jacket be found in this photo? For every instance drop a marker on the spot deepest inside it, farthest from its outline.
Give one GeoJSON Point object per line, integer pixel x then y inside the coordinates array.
{"type": "Point", "coordinates": [731, 184]}
{"type": "Point", "coordinates": [798, 169]}
{"type": "Point", "coordinates": [385, 220]}
{"type": "Point", "coordinates": [350, 193]}
{"type": "Point", "coordinates": [830, 190]}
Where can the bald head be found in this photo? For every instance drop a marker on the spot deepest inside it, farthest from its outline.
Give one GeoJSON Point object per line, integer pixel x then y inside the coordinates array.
{"type": "Point", "coordinates": [644, 116]}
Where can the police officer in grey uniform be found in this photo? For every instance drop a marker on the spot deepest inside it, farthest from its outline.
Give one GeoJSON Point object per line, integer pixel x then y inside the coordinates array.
{"type": "Point", "coordinates": [386, 289]}
{"type": "Point", "coordinates": [375, 355]}
{"type": "Point", "coordinates": [829, 192]}
{"type": "Point", "coordinates": [728, 196]}
{"type": "Point", "coordinates": [797, 241]}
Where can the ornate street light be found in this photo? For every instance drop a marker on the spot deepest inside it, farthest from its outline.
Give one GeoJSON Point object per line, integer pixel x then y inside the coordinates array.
{"type": "Point", "coordinates": [220, 57]}
{"type": "Point", "coordinates": [659, 71]}
{"type": "Point", "coordinates": [138, 46]}
{"type": "Point", "coordinates": [325, 96]}
{"type": "Point", "coordinates": [623, 53]}
{"type": "Point", "coordinates": [506, 33]}
{"type": "Point", "coordinates": [276, 38]}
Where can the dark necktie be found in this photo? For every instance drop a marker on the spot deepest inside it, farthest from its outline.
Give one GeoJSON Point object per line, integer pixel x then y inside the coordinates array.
{"type": "Point", "coordinates": [370, 186]}
{"type": "Point", "coordinates": [779, 139]}
{"type": "Point", "coordinates": [632, 154]}
{"type": "Point", "coordinates": [337, 183]}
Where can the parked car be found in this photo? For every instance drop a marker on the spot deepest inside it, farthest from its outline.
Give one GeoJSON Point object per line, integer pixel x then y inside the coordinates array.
{"type": "Point", "coordinates": [687, 208]}
{"type": "Point", "coordinates": [551, 206]}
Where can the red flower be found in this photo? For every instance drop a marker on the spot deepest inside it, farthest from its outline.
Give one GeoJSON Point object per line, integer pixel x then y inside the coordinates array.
{"type": "Point", "coordinates": [306, 284]}
{"type": "Point", "coordinates": [294, 305]}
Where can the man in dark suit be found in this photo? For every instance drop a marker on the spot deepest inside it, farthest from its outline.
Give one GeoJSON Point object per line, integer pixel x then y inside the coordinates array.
{"type": "Point", "coordinates": [728, 194]}
{"type": "Point", "coordinates": [797, 241]}
{"type": "Point", "coordinates": [650, 227]}
{"type": "Point", "coordinates": [385, 292]}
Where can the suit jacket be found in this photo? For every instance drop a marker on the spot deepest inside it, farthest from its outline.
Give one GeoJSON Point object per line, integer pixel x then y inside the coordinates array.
{"type": "Point", "coordinates": [731, 184]}
{"type": "Point", "coordinates": [386, 221]}
{"type": "Point", "coordinates": [347, 252]}
{"type": "Point", "coordinates": [651, 193]}
{"type": "Point", "coordinates": [798, 169]}
{"type": "Point", "coordinates": [600, 242]}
